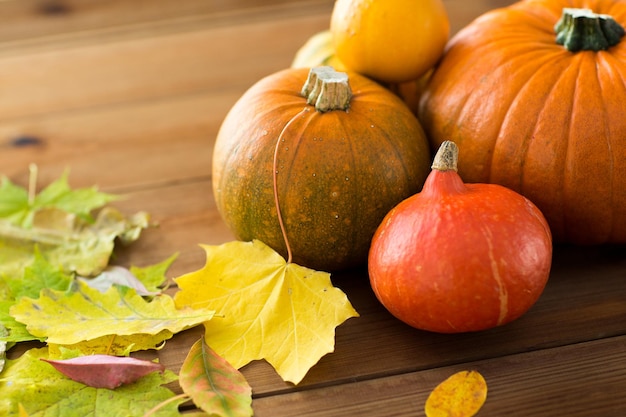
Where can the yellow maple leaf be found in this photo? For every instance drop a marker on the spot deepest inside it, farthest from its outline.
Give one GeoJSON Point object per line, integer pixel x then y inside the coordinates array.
{"type": "Point", "coordinates": [265, 308]}
{"type": "Point", "coordinates": [461, 395]}
{"type": "Point", "coordinates": [68, 318]}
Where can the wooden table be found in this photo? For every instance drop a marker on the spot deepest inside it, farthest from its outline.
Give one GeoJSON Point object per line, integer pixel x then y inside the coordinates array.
{"type": "Point", "coordinates": [129, 94]}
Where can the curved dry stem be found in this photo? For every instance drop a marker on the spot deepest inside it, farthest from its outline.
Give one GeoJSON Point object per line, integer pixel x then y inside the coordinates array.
{"type": "Point", "coordinates": [275, 182]}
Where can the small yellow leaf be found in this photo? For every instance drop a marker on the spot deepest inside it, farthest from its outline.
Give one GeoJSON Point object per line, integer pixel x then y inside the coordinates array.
{"type": "Point", "coordinates": [265, 307]}
{"type": "Point", "coordinates": [461, 395]}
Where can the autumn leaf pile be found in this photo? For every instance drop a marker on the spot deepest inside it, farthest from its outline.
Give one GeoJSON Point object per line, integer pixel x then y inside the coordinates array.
{"type": "Point", "coordinates": [87, 317]}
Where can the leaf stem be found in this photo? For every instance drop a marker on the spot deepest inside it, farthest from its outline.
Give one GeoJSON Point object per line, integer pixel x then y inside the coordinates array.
{"type": "Point", "coordinates": [275, 181]}
{"type": "Point", "coordinates": [32, 183]}
{"type": "Point", "coordinates": [156, 408]}
{"type": "Point", "coordinates": [110, 346]}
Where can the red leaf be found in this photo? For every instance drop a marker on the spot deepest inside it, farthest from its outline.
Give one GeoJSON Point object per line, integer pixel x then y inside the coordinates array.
{"type": "Point", "coordinates": [104, 371]}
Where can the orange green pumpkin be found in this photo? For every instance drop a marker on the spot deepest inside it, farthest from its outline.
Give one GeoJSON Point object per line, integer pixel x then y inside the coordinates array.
{"type": "Point", "coordinates": [329, 165]}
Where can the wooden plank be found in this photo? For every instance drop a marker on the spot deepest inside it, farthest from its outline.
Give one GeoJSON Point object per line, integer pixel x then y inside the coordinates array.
{"type": "Point", "coordinates": [26, 22]}
{"type": "Point", "coordinates": [584, 380]}
{"type": "Point", "coordinates": [34, 19]}
{"type": "Point", "coordinates": [150, 68]}
{"type": "Point", "coordinates": [121, 147]}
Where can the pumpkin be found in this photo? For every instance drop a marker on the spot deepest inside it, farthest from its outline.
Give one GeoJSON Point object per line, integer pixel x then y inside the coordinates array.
{"type": "Point", "coordinates": [309, 162]}
{"type": "Point", "coordinates": [319, 50]}
{"type": "Point", "coordinates": [460, 257]}
{"type": "Point", "coordinates": [534, 96]}
{"type": "Point", "coordinates": [389, 41]}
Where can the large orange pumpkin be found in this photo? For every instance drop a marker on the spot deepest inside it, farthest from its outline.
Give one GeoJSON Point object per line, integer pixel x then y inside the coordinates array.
{"type": "Point", "coordinates": [336, 158]}
{"type": "Point", "coordinates": [538, 104]}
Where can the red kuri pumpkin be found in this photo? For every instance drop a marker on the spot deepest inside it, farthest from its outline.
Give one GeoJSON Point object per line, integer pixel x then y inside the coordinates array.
{"type": "Point", "coordinates": [460, 257]}
{"type": "Point", "coordinates": [537, 103]}
{"type": "Point", "coordinates": [328, 160]}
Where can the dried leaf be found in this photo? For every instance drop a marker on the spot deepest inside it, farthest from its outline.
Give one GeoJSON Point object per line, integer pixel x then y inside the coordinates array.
{"type": "Point", "coordinates": [114, 344]}
{"type": "Point", "coordinates": [145, 280]}
{"type": "Point", "coordinates": [104, 371]}
{"type": "Point", "coordinates": [461, 395]}
{"type": "Point", "coordinates": [268, 309]}
{"type": "Point", "coordinates": [43, 391]}
{"type": "Point", "coordinates": [213, 384]}
{"type": "Point", "coordinates": [78, 246]}
{"type": "Point", "coordinates": [117, 275]}
{"type": "Point", "coordinates": [85, 314]}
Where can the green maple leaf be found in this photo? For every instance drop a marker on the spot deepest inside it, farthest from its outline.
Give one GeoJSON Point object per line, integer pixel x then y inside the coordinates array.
{"type": "Point", "coordinates": [19, 207]}
{"type": "Point", "coordinates": [268, 308]}
{"type": "Point", "coordinates": [43, 391]}
{"type": "Point", "coordinates": [15, 331]}
{"type": "Point", "coordinates": [85, 313]}
{"type": "Point", "coordinates": [153, 276]}
{"type": "Point", "coordinates": [35, 277]}
{"type": "Point", "coordinates": [38, 275]}
{"type": "Point", "coordinates": [59, 221]}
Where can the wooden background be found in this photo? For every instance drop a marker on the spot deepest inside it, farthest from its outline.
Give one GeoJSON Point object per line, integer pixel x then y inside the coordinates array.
{"type": "Point", "coordinates": [129, 94]}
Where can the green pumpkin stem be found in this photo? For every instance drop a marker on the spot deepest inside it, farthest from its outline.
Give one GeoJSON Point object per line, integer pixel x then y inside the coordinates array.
{"type": "Point", "coordinates": [327, 89]}
{"type": "Point", "coordinates": [447, 157]}
{"type": "Point", "coordinates": [584, 30]}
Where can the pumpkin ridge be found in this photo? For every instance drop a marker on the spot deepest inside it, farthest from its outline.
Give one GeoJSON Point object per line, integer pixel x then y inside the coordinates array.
{"type": "Point", "coordinates": [561, 223]}
{"type": "Point", "coordinates": [520, 96]}
{"type": "Point", "coordinates": [609, 149]}
{"type": "Point", "coordinates": [568, 181]}
{"type": "Point", "coordinates": [607, 210]}
{"type": "Point", "coordinates": [554, 91]}
{"type": "Point", "coordinates": [620, 77]}
{"type": "Point", "coordinates": [355, 211]}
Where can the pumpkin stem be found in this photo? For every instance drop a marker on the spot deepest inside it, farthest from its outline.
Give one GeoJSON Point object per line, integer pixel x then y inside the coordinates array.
{"type": "Point", "coordinates": [327, 89]}
{"type": "Point", "coordinates": [582, 29]}
{"type": "Point", "coordinates": [447, 157]}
